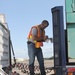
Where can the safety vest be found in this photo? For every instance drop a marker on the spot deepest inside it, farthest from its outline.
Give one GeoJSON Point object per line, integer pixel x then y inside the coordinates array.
{"type": "Point", "coordinates": [37, 44]}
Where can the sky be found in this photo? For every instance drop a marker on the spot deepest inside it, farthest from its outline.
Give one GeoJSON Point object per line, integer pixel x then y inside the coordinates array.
{"type": "Point", "coordinates": [21, 15]}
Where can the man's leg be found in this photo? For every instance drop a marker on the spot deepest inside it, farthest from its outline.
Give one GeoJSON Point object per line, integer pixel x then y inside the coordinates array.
{"type": "Point", "coordinates": [31, 57]}
{"type": "Point", "coordinates": [41, 61]}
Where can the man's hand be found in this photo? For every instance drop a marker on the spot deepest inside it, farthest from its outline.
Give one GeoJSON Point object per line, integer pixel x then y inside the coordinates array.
{"type": "Point", "coordinates": [51, 39]}
{"type": "Point", "coordinates": [45, 38]}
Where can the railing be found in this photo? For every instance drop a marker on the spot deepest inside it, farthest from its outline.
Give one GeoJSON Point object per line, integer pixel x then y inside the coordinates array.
{"type": "Point", "coordinates": [5, 47]}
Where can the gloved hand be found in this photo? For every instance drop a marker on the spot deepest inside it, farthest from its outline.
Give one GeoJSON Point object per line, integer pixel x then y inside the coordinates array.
{"type": "Point", "coordinates": [45, 38]}
{"type": "Point", "coordinates": [51, 39]}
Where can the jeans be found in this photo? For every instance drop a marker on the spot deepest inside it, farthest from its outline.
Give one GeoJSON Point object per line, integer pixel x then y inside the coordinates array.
{"type": "Point", "coordinates": [32, 52]}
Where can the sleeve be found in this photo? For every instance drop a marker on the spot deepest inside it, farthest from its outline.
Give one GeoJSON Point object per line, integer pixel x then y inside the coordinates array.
{"type": "Point", "coordinates": [34, 31]}
{"type": "Point", "coordinates": [44, 33]}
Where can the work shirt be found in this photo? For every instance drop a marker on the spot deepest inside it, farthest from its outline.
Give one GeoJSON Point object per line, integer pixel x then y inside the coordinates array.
{"type": "Point", "coordinates": [34, 32]}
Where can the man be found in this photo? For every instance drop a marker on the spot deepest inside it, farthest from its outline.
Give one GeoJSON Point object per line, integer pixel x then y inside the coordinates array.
{"type": "Point", "coordinates": [36, 38]}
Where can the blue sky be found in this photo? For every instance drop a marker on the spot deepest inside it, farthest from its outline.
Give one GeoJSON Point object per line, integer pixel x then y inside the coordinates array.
{"type": "Point", "coordinates": [21, 15]}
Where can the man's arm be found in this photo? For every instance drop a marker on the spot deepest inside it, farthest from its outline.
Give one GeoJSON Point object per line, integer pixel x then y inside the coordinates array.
{"type": "Point", "coordinates": [34, 36]}
{"type": "Point", "coordinates": [39, 39]}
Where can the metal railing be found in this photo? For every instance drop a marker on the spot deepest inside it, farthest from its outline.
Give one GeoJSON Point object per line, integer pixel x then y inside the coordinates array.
{"type": "Point", "coordinates": [10, 44]}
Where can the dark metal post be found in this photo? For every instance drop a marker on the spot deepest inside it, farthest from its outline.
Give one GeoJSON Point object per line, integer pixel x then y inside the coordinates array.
{"type": "Point", "coordinates": [59, 41]}
{"type": "Point", "coordinates": [10, 50]}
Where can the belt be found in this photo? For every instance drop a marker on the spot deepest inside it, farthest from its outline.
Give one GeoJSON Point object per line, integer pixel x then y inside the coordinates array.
{"type": "Point", "coordinates": [28, 42]}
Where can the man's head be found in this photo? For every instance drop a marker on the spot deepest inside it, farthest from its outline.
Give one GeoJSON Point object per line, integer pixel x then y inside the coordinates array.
{"type": "Point", "coordinates": [44, 24]}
